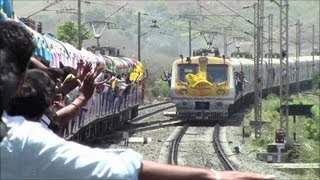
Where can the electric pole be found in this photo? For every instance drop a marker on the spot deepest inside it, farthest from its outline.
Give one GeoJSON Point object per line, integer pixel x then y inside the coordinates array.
{"type": "Point", "coordinates": [79, 25]}
{"type": "Point", "coordinates": [270, 54]}
{"type": "Point", "coordinates": [298, 53]}
{"type": "Point", "coordinates": [313, 44]}
{"type": "Point", "coordinates": [284, 65]}
{"type": "Point", "coordinates": [139, 32]}
{"type": "Point", "coordinates": [225, 40]}
{"type": "Point", "coordinates": [255, 10]}
{"type": "Point", "coordinates": [258, 65]}
{"type": "Point", "coordinates": [189, 38]}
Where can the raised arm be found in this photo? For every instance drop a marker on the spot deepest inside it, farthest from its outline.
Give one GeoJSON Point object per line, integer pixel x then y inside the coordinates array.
{"type": "Point", "coordinates": [152, 170]}
{"type": "Point", "coordinates": [37, 64]}
{"type": "Point", "coordinates": [85, 93]}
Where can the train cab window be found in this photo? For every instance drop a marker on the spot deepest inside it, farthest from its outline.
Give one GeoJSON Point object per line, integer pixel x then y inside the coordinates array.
{"type": "Point", "coordinates": [217, 73]}
{"type": "Point", "coordinates": [185, 69]}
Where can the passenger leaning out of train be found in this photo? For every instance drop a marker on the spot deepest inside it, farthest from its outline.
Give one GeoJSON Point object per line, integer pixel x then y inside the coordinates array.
{"type": "Point", "coordinates": [62, 110]}
{"type": "Point", "coordinates": [31, 151]}
{"type": "Point", "coordinates": [120, 85]}
{"type": "Point", "coordinates": [243, 81]}
{"type": "Point", "coordinates": [240, 81]}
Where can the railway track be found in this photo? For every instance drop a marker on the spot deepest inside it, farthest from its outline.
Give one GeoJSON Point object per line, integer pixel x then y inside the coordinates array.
{"type": "Point", "coordinates": [175, 146]}
{"type": "Point", "coordinates": [154, 109]}
{"type": "Point", "coordinates": [138, 124]}
{"type": "Point", "coordinates": [154, 105]}
{"type": "Point", "coordinates": [138, 127]}
{"type": "Point", "coordinates": [221, 155]}
{"type": "Point", "coordinates": [219, 152]}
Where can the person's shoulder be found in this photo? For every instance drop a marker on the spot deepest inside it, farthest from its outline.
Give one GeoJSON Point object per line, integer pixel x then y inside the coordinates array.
{"type": "Point", "coordinates": [23, 131]}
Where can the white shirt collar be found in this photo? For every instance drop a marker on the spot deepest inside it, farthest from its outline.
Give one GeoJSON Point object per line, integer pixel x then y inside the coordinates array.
{"type": "Point", "coordinates": [45, 121]}
{"type": "Point", "coordinates": [11, 121]}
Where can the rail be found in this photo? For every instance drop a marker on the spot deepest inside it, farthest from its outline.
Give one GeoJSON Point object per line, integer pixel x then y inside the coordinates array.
{"type": "Point", "coordinates": [153, 112]}
{"type": "Point", "coordinates": [154, 105]}
{"type": "Point", "coordinates": [222, 156]}
{"type": "Point", "coordinates": [175, 145]}
{"type": "Point", "coordinates": [131, 128]}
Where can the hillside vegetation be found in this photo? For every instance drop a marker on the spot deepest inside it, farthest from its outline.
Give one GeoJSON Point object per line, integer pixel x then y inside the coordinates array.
{"type": "Point", "coordinates": [161, 46]}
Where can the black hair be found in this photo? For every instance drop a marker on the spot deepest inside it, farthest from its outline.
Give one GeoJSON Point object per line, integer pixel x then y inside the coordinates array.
{"type": "Point", "coordinates": [16, 47]}
{"type": "Point", "coordinates": [55, 73]}
{"type": "Point", "coordinates": [35, 95]}
{"type": "Point", "coordinates": [67, 70]}
{"type": "Point", "coordinates": [18, 40]}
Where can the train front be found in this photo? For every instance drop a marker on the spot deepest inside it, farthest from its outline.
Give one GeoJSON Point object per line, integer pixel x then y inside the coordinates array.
{"type": "Point", "coordinates": [201, 87]}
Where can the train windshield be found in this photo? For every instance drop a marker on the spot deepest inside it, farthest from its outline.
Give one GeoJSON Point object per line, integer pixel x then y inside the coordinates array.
{"type": "Point", "coordinates": [217, 73]}
{"type": "Point", "coordinates": [185, 69]}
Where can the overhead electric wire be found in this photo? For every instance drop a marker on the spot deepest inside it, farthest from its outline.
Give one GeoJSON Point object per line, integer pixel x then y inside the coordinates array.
{"type": "Point", "coordinates": [217, 21]}
{"type": "Point", "coordinates": [239, 27]}
{"type": "Point", "coordinates": [158, 25]}
{"type": "Point", "coordinates": [116, 11]}
{"type": "Point", "coordinates": [212, 13]}
{"type": "Point", "coordinates": [44, 8]}
{"type": "Point", "coordinates": [236, 12]}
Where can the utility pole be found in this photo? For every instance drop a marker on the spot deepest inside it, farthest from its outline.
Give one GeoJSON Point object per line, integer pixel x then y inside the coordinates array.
{"type": "Point", "coordinates": [255, 10]}
{"type": "Point", "coordinates": [139, 32]}
{"type": "Point", "coordinates": [189, 38]}
{"type": "Point", "coordinates": [313, 44]}
{"type": "Point", "coordinates": [225, 40]}
{"type": "Point", "coordinates": [258, 64]}
{"type": "Point", "coordinates": [79, 25]}
{"type": "Point", "coordinates": [270, 54]}
{"type": "Point", "coordinates": [298, 54]}
{"type": "Point", "coordinates": [284, 65]}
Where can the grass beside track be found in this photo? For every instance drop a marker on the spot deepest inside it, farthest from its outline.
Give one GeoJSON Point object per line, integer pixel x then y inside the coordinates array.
{"type": "Point", "coordinates": [307, 129]}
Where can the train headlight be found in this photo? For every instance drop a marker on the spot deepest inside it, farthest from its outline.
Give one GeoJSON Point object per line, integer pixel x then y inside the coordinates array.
{"type": "Point", "coordinates": [183, 91]}
{"type": "Point", "coordinates": [220, 92]}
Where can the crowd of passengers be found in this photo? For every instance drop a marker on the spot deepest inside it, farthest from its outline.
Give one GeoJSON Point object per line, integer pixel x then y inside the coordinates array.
{"type": "Point", "coordinates": [110, 95]}
{"type": "Point", "coordinates": [30, 98]}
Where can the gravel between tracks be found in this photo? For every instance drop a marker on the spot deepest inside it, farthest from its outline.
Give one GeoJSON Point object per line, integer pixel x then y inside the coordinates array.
{"type": "Point", "coordinates": [196, 149]}
{"type": "Point", "coordinates": [151, 150]}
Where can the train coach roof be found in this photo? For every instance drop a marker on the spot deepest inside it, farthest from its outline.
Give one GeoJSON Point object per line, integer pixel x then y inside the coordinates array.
{"type": "Point", "coordinates": [195, 60]}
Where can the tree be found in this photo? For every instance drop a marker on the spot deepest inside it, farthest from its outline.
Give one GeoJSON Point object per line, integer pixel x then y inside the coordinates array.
{"type": "Point", "coordinates": [68, 32]}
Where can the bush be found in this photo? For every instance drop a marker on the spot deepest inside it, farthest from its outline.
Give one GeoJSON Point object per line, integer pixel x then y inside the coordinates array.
{"type": "Point", "coordinates": [159, 88]}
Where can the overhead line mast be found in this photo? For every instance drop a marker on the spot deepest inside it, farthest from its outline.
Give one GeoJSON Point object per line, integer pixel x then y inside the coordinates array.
{"type": "Point", "coordinates": [258, 65]}
{"type": "Point", "coordinates": [270, 72]}
{"type": "Point", "coordinates": [284, 65]}
{"type": "Point", "coordinates": [298, 54]}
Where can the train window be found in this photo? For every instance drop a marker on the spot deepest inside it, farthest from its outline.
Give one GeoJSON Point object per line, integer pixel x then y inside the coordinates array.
{"type": "Point", "coordinates": [217, 73]}
{"type": "Point", "coordinates": [185, 69]}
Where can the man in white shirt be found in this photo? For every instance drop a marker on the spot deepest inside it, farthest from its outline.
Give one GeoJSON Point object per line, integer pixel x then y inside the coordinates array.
{"type": "Point", "coordinates": [31, 151]}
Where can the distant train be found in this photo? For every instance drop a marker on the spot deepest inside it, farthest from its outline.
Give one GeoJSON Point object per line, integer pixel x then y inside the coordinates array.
{"type": "Point", "coordinates": [208, 87]}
